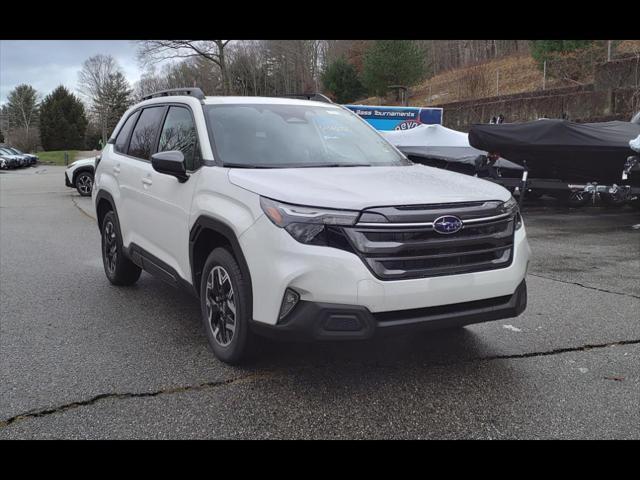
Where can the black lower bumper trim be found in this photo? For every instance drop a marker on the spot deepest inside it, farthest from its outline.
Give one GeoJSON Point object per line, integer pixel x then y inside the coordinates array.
{"type": "Point", "coordinates": [324, 321]}
{"type": "Point", "coordinates": [67, 182]}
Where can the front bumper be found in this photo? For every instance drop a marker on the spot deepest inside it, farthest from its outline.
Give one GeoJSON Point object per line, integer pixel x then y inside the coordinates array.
{"type": "Point", "coordinates": [324, 275]}
{"type": "Point", "coordinates": [312, 321]}
{"type": "Point", "coordinates": [67, 182]}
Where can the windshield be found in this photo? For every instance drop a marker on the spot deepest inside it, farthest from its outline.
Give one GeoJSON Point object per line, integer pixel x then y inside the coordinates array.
{"type": "Point", "coordinates": [284, 136]}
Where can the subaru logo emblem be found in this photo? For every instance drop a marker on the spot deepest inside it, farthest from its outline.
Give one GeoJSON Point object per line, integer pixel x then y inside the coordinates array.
{"type": "Point", "coordinates": [447, 224]}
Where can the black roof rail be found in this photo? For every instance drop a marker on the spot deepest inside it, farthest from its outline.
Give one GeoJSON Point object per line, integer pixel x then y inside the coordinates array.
{"type": "Point", "coordinates": [317, 97]}
{"type": "Point", "coordinates": [188, 91]}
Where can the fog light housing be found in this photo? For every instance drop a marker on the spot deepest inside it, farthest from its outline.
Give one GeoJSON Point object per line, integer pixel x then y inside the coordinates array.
{"type": "Point", "coordinates": [289, 300]}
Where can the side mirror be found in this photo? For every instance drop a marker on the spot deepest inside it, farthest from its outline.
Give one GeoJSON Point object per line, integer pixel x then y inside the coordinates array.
{"type": "Point", "coordinates": [170, 163]}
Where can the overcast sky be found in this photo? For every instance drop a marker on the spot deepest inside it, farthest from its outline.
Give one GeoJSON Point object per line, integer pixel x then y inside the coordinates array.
{"type": "Point", "coordinates": [45, 64]}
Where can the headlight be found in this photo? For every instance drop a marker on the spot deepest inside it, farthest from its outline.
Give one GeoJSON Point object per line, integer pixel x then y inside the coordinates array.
{"type": "Point", "coordinates": [310, 225]}
{"type": "Point", "coordinates": [511, 206]}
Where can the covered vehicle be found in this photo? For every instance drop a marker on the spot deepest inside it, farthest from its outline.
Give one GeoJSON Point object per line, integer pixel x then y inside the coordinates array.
{"type": "Point", "coordinates": [443, 147]}
{"type": "Point", "coordinates": [559, 149]}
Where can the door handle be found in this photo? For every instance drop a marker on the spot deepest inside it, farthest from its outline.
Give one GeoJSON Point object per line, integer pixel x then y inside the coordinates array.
{"type": "Point", "coordinates": [116, 168]}
{"type": "Point", "coordinates": [147, 181]}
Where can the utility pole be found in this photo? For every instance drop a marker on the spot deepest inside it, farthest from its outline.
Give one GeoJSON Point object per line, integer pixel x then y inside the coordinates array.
{"type": "Point", "coordinates": [544, 75]}
{"type": "Point", "coordinates": [608, 50]}
{"type": "Point", "coordinates": [497, 82]}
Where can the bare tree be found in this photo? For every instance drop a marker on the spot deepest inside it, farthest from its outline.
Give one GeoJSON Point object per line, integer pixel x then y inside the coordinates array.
{"type": "Point", "coordinates": [92, 81]}
{"type": "Point", "coordinates": [22, 110]}
{"type": "Point", "coordinates": [154, 51]}
{"type": "Point", "coordinates": [149, 82]}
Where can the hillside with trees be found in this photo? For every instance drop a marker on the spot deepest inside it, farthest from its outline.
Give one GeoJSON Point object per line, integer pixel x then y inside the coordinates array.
{"type": "Point", "coordinates": [435, 71]}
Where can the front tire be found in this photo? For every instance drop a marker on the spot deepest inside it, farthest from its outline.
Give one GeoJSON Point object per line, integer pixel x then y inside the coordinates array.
{"type": "Point", "coordinates": [226, 307]}
{"type": "Point", "coordinates": [84, 183]}
{"type": "Point", "coordinates": [118, 268]}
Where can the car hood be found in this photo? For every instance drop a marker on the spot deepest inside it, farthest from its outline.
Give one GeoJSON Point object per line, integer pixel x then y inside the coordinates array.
{"type": "Point", "coordinates": [82, 162]}
{"type": "Point", "coordinates": [356, 188]}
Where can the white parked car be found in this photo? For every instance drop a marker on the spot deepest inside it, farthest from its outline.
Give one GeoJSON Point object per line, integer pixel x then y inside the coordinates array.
{"type": "Point", "coordinates": [79, 175]}
{"type": "Point", "coordinates": [296, 219]}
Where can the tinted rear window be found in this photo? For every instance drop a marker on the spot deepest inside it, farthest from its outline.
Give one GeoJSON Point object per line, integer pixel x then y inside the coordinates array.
{"type": "Point", "coordinates": [123, 135]}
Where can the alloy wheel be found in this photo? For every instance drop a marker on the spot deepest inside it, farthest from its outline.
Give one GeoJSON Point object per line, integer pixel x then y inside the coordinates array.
{"type": "Point", "coordinates": [221, 306]}
{"type": "Point", "coordinates": [84, 183]}
{"type": "Point", "coordinates": [110, 247]}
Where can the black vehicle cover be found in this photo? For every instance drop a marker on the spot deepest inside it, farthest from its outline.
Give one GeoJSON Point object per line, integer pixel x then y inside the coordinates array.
{"type": "Point", "coordinates": [442, 147]}
{"type": "Point", "coordinates": [467, 155]}
{"type": "Point", "coordinates": [561, 149]}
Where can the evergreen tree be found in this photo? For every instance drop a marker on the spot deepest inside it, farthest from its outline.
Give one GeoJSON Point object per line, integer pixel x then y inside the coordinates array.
{"type": "Point", "coordinates": [62, 121]}
{"type": "Point", "coordinates": [93, 136]}
{"type": "Point", "coordinates": [114, 98]}
{"type": "Point", "coordinates": [341, 79]}
{"type": "Point", "coordinates": [542, 50]}
{"type": "Point", "coordinates": [392, 62]}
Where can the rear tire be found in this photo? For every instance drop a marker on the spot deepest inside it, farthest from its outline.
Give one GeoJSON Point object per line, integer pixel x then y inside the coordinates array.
{"type": "Point", "coordinates": [118, 268]}
{"type": "Point", "coordinates": [226, 308]}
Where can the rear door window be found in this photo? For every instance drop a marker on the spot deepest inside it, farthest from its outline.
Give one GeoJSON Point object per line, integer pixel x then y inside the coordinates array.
{"type": "Point", "coordinates": [145, 133]}
{"type": "Point", "coordinates": [123, 136]}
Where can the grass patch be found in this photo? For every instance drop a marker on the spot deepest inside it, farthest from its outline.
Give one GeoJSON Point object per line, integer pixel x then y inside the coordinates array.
{"type": "Point", "coordinates": [57, 157]}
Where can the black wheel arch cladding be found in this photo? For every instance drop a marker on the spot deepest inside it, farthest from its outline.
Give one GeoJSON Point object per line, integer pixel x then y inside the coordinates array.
{"type": "Point", "coordinates": [82, 170]}
{"type": "Point", "coordinates": [104, 203]}
{"type": "Point", "coordinates": [208, 233]}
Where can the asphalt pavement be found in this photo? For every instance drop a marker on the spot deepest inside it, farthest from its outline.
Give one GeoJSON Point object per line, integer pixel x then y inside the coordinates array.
{"type": "Point", "coordinates": [80, 358]}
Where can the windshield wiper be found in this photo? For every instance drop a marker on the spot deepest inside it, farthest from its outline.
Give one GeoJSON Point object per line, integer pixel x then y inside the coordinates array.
{"type": "Point", "coordinates": [295, 165]}
{"type": "Point", "coordinates": [322, 165]}
{"type": "Point", "coordinates": [246, 165]}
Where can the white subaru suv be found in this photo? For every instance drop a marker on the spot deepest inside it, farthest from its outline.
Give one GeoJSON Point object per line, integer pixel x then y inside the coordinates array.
{"type": "Point", "coordinates": [294, 218]}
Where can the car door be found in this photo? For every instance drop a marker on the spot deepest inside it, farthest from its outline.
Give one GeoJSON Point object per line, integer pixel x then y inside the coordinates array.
{"type": "Point", "coordinates": [135, 179]}
{"type": "Point", "coordinates": [166, 214]}
{"type": "Point", "coordinates": [115, 166]}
